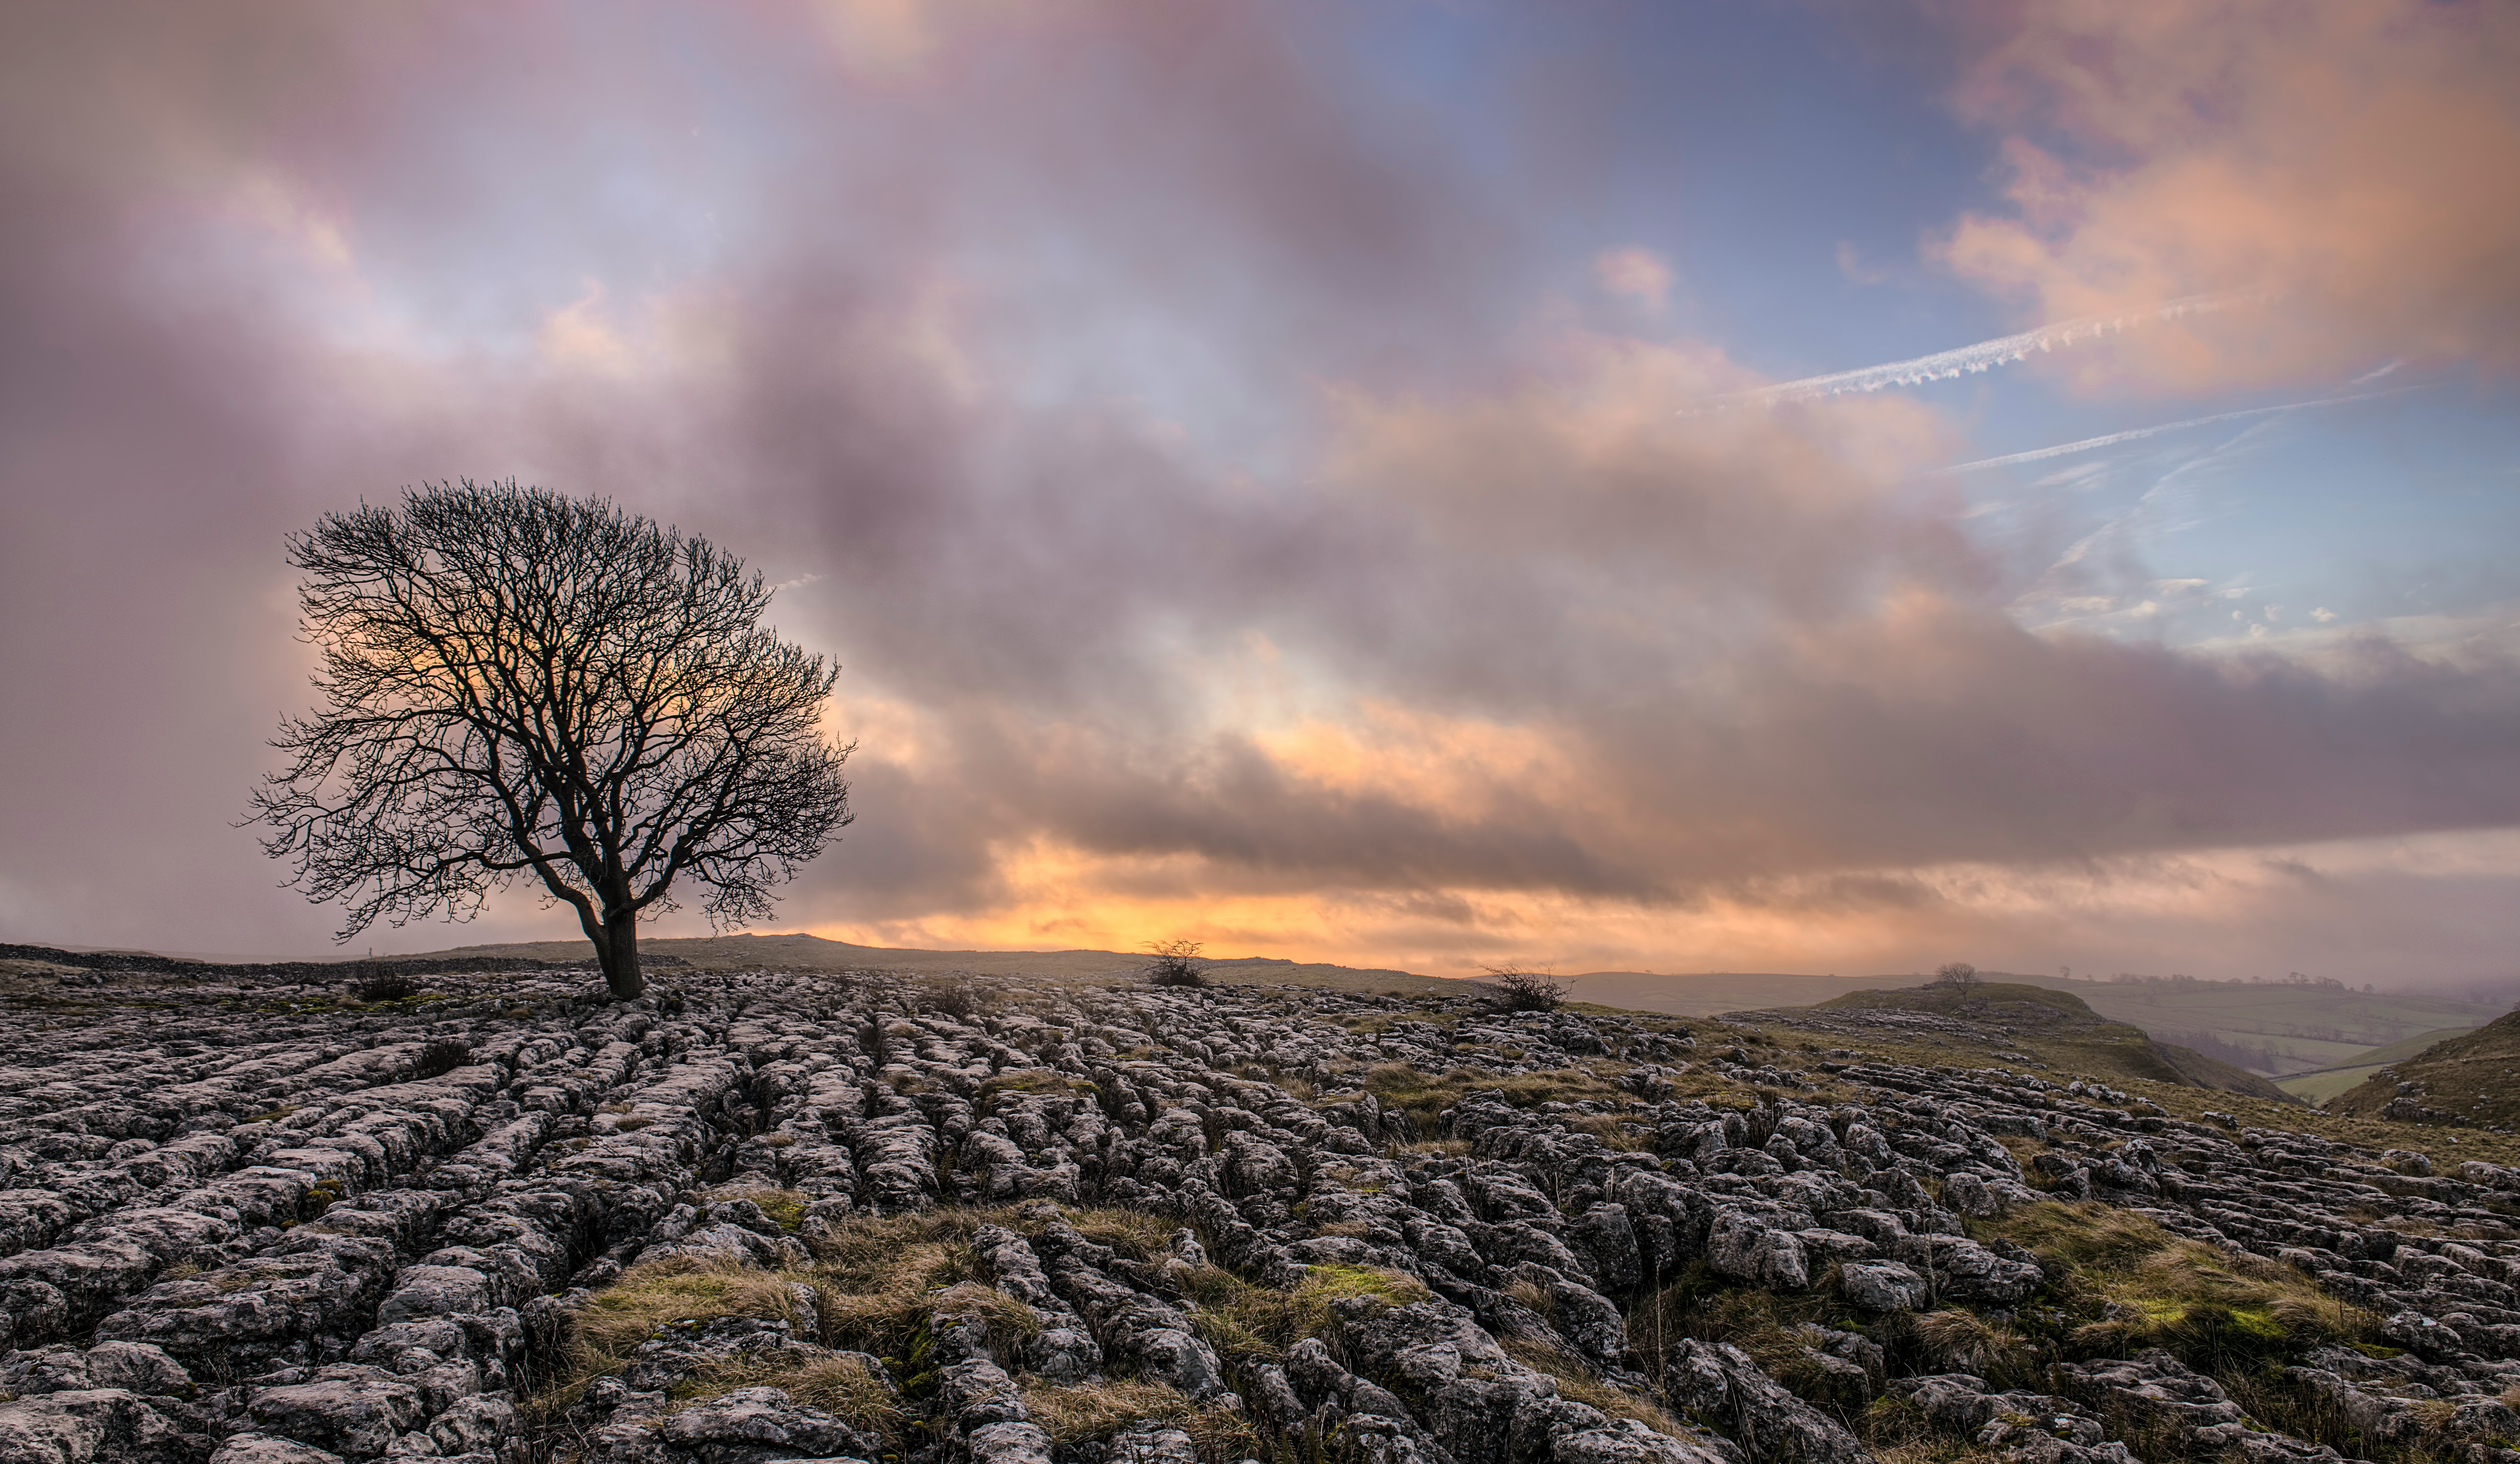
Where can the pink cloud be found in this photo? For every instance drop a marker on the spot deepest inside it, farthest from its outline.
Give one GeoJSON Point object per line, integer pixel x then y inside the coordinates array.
{"type": "Point", "coordinates": [2363, 162]}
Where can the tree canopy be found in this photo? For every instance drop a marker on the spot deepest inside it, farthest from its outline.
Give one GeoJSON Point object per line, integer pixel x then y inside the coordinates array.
{"type": "Point", "coordinates": [521, 685]}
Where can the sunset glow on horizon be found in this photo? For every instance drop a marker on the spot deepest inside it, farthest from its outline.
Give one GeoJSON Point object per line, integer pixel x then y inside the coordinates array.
{"type": "Point", "coordinates": [1800, 487]}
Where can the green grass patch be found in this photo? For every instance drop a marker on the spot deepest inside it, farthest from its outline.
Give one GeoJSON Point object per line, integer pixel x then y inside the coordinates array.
{"type": "Point", "coordinates": [2119, 1282]}
{"type": "Point", "coordinates": [786, 1206]}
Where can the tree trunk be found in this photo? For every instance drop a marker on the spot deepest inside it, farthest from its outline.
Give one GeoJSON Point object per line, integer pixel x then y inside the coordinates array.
{"type": "Point", "coordinates": [616, 951]}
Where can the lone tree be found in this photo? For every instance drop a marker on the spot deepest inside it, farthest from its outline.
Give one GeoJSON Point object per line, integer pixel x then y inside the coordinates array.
{"type": "Point", "coordinates": [517, 683]}
{"type": "Point", "coordinates": [1175, 963]}
{"type": "Point", "coordinates": [1959, 976]}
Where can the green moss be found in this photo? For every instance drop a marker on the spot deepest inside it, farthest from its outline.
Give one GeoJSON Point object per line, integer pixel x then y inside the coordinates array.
{"type": "Point", "coordinates": [786, 1206]}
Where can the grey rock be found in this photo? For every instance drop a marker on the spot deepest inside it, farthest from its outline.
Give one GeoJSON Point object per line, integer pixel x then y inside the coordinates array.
{"type": "Point", "coordinates": [77, 1425]}
{"type": "Point", "coordinates": [1882, 1286]}
{"type": "Point", "coordinates": [1719, 1387]}
{"type": "Point", "coordinates": [1740, 1245]}
{"type": "Point", "coordinates": [263, 1448]}
{"type": "Point", "coordinates": [757, 1424]}
{"type": "Point", "coordinates": [353, 1410]}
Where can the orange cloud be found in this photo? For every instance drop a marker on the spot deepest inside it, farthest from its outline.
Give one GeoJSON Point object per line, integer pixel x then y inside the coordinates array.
{"type": "Point", "coordinates": [2362, 161]}
{"type": "Point", "coordinates": [2351, 908]}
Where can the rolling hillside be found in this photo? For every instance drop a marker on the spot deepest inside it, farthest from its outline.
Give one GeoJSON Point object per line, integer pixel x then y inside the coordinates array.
{"type": "Point", "coordinates": [2323, 1084]}
{"type": "Point", "coordinates": [2271, 1028]}
{"type": "Point", "coordinates": [2473, 1078]}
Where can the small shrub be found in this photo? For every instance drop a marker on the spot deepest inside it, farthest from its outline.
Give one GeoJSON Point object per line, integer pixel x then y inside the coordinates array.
{"type": "Point", "coordinates": [1511, 988]}
{"type": "Point", "coordinates": [389, 986]}
{"type": "Point", "coordinates": [959, 1001]}
{"type": "Point", "coordinates": [439, 1059]}
{"type": "Point", "coordinates": [1176, 964]}
{"type": "Point", "coordinates": [1963, 1341]}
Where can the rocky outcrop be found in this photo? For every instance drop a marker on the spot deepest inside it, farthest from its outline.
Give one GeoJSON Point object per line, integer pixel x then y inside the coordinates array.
{"type": "Point", "coordinates": [267, 1223]}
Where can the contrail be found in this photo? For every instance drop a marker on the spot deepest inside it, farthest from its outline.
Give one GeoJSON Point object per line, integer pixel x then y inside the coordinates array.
{"type": "Point", "coordinates": [1986, 355]}
{"type": "Point", "coordinates": [2137, 434]}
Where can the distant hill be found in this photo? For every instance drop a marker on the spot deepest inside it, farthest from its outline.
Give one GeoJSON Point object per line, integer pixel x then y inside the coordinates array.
{"type": "Point", "coordinates": [2472, 1079]}
{"type": "Point", "coordinates": [2271, 1029]}
{"type": "Point", "coordinates": [1705, 994]}
{"type": "Point", "coordinates": [803, 952]}
{"type": "Point", "coordinates": [2277, 1027]}
{"type": "Point", "coordinates": [2056, 1029]}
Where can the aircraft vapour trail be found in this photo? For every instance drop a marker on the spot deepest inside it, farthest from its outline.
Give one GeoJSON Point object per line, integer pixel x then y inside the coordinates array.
{"type": "Point", "coordinates": [1985, 356]}
{"type": "Point", "coordinates": [2137, 434]}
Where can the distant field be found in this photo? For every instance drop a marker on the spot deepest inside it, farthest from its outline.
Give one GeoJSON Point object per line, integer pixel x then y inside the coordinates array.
{"type": "Point", "coordinates": [2282, 1029]}
{"type": "Point", "coordinates": [2327, 1082]}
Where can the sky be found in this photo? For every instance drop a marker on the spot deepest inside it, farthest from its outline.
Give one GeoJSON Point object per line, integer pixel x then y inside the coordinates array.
{"type": "Point", "coordinates": [1799, 486]}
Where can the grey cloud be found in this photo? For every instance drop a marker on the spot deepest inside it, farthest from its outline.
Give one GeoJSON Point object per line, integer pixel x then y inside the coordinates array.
{"type": "Point", "coordinates": [1764, 679]}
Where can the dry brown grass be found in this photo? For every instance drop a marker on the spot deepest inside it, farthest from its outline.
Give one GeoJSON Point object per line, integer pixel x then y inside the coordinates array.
{"type": "Point", "coordinates": [1614, 1132]}
{"type": "Point", "coordinates": [653, 1293]}
{"type": "Point", "coordinates": [1424, 1094]}
{"type": "Point", "coordinates": [1577, 1381]}
{"type": "Point", "coordinates": [1963, 1341]}
{"type": "Point", "coordinates": [1137, 1234]}
{"type": "Point", "coordinates": [1245, 1323]}
{"type": "Point", "coordinates": [841, 1387]}
{"type": "Point", "coordinates": [1089, 1412]}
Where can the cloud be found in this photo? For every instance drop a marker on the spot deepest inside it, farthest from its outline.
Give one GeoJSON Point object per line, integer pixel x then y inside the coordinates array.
{"type": "Point", "coordinates": [1638, 273]}
{"type": "Point", "coordinates": [2362, 160]}
{"type": "Point", "coordinates": [1220, 532]}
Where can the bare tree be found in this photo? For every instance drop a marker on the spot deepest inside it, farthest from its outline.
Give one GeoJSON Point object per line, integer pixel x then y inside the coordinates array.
{"type": "Point", "coordinates": [1959, 976]}
{"type": "Point", "coordinates": [1511, 988]}
{"type": "Point", "coordinates": [1175, 963]}
{"type": "Point", "coordinates": [517, 683]}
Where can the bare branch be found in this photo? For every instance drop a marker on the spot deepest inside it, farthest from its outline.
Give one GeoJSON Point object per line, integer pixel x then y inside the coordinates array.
{"type": "Point", "coordinates": [516, 683]}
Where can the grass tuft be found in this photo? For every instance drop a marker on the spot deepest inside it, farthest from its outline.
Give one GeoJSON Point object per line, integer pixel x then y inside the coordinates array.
{"type": "Point", "coordinates": [786, 1206]}
{"type": "Point", "coordinates": [1089, 1412]}
{"type": "Point", "coordinates": [1245, 1323]}
{"type": "Point", "coordinates": [841, 1387]}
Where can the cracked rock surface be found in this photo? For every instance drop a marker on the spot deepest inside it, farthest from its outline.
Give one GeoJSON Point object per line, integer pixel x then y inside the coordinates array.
{"type": "Point", "coordinates": [772, 1217]}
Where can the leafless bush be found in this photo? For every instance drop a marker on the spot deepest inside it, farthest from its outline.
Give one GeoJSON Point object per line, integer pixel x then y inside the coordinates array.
{"type": "Point", "coordinates": [1511, 988]}
{"type": "Point", "coordinates": [1176, 964]}
{"type": "Point", "coordinates": [959, 1001]}
{"type": "Point", "coordinates": [1959, 976]}
{"type": "Point", "coordinates": [390, 985]}
{"type": "Point", "coordinates": [439, 1059]}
